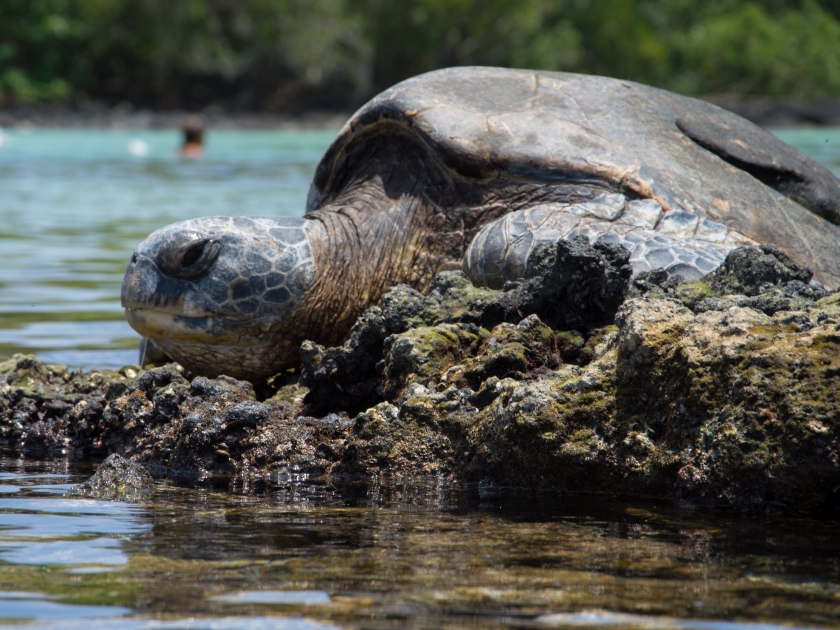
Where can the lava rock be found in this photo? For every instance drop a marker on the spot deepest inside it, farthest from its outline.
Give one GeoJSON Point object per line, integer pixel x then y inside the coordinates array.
{"type": "Point", "coordinates": [717, 391]}
{"type": "Point", "coordinates": [248, 414]}
{"type": "Point", "coordinates": [345, 377]}
{"type": "Point", "coordinates": [655, 280]}
{"type": "Point", "coordinates": [118, 479]}
{"type": "Point", "coordinates": [753, 270]}
{"type": "Point", "coordinates": [570, 285]}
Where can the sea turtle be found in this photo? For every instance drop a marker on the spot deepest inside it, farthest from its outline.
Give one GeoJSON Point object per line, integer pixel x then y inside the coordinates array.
{"type": "Point", "coordinates": [469, 168]}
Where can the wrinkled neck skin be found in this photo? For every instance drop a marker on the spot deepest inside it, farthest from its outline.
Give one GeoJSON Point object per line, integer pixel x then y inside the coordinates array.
{"type": "Point", "coordinates": [360, 255]}
{"type": "Point", "coordinates": [393, 213]}
{"type": "Point", "coordinates": [238, 295]}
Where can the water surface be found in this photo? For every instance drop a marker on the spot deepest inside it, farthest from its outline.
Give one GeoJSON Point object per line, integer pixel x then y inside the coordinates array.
{"type": "Point", "coordinates": [310, 554]}
{"type": "Point", "coordinates": [277, 554]}
{"type": "Point", "coordinates": [75, 203]}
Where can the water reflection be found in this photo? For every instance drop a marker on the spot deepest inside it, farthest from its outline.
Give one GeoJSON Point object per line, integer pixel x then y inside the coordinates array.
{"type": "Point", "coordinates": [37, 530]}
{"type": "Point", "coordinates": [94, 551]}
{"type": "Point", "coordinates": [16, 605]}
{"type": "Point", "coordinates": [602, 619]}
{"type": "Point", "coordinates": [221, 623]}
{"type": "Point", "coordinates": [277, 553]}
{"type": "Point", "coordinates": [274, 597]}
{"type": "Point", "coordinates": [405, 555]}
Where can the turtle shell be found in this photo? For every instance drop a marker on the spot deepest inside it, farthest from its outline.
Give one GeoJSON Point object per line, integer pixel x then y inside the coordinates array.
{"type": "Point", "coordinates": [684, 153]}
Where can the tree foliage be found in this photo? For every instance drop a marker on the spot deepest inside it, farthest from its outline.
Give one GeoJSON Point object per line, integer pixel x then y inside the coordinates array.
{"type": "Point", "coordinates": [287, 54]}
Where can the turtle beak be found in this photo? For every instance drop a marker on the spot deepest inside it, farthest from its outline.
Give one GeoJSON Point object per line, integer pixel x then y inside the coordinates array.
{"type": "Point", "coordinates": [144, 286]}
{"type": "Point", "coordinates": [139, 283]}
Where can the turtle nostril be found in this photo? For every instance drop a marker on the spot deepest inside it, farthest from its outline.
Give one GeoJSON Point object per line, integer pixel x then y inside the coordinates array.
{"type": "Point", "coordinates": [134, 258]}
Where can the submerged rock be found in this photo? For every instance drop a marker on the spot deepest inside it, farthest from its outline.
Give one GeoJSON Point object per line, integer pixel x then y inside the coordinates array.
{"type": "Point", "coordinates": [117, 478]}
{"type": "Point", "coordinates": [686, 390]}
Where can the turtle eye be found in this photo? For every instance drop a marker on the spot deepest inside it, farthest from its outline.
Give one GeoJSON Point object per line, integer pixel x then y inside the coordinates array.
{"type": "Point", "coordinates": [193, 254]}
{"type": "Point", "coordinates": [189, 260]}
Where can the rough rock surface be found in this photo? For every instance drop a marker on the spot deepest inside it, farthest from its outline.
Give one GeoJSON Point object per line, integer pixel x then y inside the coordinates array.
{"type": "Point", "coordinates": [117, 478]}
{"type": "Point", "coordinates": [722, 391]}
{"type": "Point", "coordinates": [573, 285]}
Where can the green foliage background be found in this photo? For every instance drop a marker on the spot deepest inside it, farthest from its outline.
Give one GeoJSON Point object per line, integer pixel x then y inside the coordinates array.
{"type": "Point", "coordinates": [278, 55]}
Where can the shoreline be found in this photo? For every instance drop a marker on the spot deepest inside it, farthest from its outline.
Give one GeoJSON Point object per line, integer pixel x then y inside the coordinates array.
{"type": "Point", "coordinates": [99, 116]}
{"type": "Point", "coordinates": [765, 112]}
{"type": "Point", "coordinates": [774, 112]}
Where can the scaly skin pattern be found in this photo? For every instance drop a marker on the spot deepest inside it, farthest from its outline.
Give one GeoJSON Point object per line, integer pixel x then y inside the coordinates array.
{"type": "Point", "coordinates": [241, 319]}
{"type": "Point", "coordinates": [471, 168]}
{"type": "Point", "coordinates": [679, 242]}
{"type": "Point", "coordinates": [219, 294]}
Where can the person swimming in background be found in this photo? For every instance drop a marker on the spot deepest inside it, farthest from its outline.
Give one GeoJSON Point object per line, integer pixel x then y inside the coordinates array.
{"type": "Point", "coordinates": [193, 146]}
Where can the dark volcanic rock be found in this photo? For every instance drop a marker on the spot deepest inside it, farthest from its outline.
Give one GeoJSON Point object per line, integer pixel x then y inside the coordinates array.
{"type": "Point", "coordinates": [754, 270]}
{"type": "Point", "coordinates": [710, 402]}
{"type": "Point", "coordinates": [656, 280]}
{"type": "Point", "coordinates": [158, 418]}
{"type": "Point", "coordinates": [764, 279]}
{"type": "Point", "coordinates": [722, 390]}
{"type": "Point", "coordinates": [118, 478]}
{"type": "Point", "coordinates": [570, 285]}
{"type": "Point", "coordinates": [345, 377]}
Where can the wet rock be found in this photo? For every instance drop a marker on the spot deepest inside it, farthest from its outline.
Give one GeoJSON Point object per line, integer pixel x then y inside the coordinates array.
{"type": "Point", "coordinates": [763, 278]}
{"type": "Point", "coordinates": [223, 387]}
{"type": "Point", "coordinates": [387, 438]}
{"type": "Point", "coordinates": [570, 285]}
{"type": "Point", "coordinates": [156, 378]}
{"type": "Point", "coordinates": [466, 356]}
{"type": "Point", "coordinates": [247, 414]}
{"type": "Point", "coordinates": [695, 393]}
{"type": "Point", "coordinates": [157, 417]}
{"type": "Point", "coordinates": [118, 479]}
{"type": "Point", "coordinates": [657, 281]}
{"type": "Point", "coordinates": [720, 391]}
{"type": "Point", "coordinates": [728, 398]}
{"type": "Point", "coordinates": [345, 377]}
{"type": "Point", "coordinates": [43, 407]}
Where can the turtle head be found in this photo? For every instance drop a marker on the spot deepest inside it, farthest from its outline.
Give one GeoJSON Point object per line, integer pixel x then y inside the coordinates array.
{"type": "Point", "coordinates": [220, 294]}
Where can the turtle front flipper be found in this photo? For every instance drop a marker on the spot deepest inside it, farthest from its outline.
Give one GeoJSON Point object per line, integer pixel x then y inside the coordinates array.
{"type": "Point", "coordinates": [774, 163]}
{"type": "Point", "coordinates": [680, 242]}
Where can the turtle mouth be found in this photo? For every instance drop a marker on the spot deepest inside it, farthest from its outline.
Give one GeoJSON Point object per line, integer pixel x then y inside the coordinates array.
{"type": "Point", "coordinates": [167, 329]}
{"type": "Point", "coordinates": [214, 345]}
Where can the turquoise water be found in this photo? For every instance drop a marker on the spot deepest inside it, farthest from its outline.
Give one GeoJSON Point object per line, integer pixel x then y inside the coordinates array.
{"type": "Point", "coordinates": [314, 555]}
{"type": "Point", "coordinates": [75, 203]}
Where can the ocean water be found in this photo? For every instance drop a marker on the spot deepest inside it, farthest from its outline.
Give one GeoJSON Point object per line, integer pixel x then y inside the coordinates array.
{"type": "Point", "coordinates": [75, 203]}
{"type": "Point", "coordinates": [313, 555]}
